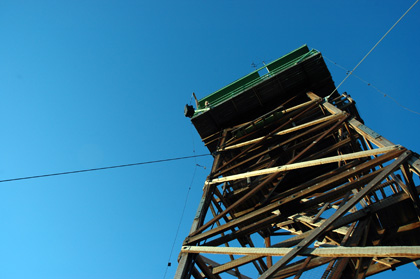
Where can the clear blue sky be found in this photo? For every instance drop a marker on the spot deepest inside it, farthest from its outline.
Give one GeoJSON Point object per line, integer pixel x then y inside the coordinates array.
{"type": "Point", "coordinates": [88, 84]}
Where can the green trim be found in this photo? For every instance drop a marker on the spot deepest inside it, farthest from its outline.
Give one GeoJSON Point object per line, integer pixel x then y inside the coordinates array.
{"type": "Point", "coordinates": [252, 79]}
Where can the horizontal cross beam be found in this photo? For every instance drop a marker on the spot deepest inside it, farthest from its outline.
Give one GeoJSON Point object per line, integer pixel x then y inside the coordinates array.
{"type": "Point", "coordinates": [336, 252]}
{"type": "Point", "coordinates": [328, 160]}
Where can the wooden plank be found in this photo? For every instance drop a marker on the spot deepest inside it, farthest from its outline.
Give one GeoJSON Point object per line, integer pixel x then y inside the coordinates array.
{"type": "Point", "coordinates": [403, 228]}
{"type": "Point", "coordinates": [356, 239]}
{"type": "Point", "coordinates": [302, 218]}
{"type": "Point", "coordinates": [235, 263]}
{"type": "Point", "coordinates": [336, 252]}
{"type": "Point", "coordinates": [393, 263]}
{"type": "Point", "coordinates": [284, 168]}
{"type": "Point", "coordinates": [417, 264]}
{"type": "Point", "coordinates": [411, 188]}
{"type": "Point", "coordinates": [185, 263]}
{"type": "Point", "coordinates": [195, 273]}
{"type": "Point", "coordinates": [335, 267]}
{"type": "Point", "coordinates": [294, 268]}
{"type": "Point", "coordinates": [324, 207]}
{"type": "Point", "coordinates": [267, 243]}
{"type": "Point", "coordinates": [215, 264]}
{"type": "Point", "coordinates": [205, 269]}
{"type": "Point", "coordinates": [301, 105]}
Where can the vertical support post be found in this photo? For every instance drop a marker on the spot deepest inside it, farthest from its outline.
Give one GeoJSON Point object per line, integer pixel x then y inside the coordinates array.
{"type": "Point", "coordinates": [186, 261]}
{"type": "Point", "coordinates": [267, 242]}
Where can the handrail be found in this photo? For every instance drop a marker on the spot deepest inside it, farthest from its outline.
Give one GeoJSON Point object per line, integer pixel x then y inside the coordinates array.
{"type": "Point", "coordinates": [254, 78]}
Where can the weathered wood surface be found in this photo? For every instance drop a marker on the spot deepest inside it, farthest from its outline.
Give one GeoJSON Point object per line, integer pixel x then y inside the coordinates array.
{"type": "Point", "coordinates": [348, 252]}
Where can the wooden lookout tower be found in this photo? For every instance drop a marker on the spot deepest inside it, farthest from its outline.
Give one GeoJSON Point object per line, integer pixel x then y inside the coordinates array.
{"type": "Point", "coordinates": [299, 183]}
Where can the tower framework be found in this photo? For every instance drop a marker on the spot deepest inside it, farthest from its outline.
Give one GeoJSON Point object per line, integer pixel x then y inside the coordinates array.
{"type": "Point", "coordinates": [298, 182]}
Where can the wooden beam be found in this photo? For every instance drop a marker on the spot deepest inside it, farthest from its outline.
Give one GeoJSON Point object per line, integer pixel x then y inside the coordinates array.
{"type": "Point", "coordinates": [404, 228]}
{"type": "Point", "coordinates": [324, 207]}
{"type": "Point", "coordinates": [267, 243]}
{"type": "Point", "coordinates": [205, 269]}
{"type": "Point", "coordinates": [393, 263]}
{"type": "Point", "coordinates": [335, 252]}
{"type": "Point", "coordinates": [411, 188]}
{"type": "Point", "coordinates": [302, 218]}
{"type": "Point", "coordinates": [215, 264]}
{"type": "Point", "coordinates": [295, 267]}
{"type": "Point", "coordinates": [323, 161]}
{"type": "Point", "coordinates": [195, 273]}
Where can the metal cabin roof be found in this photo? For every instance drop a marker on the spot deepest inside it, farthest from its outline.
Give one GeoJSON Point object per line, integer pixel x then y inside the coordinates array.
{"type": "Point", "coordinates": [294, 74]}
